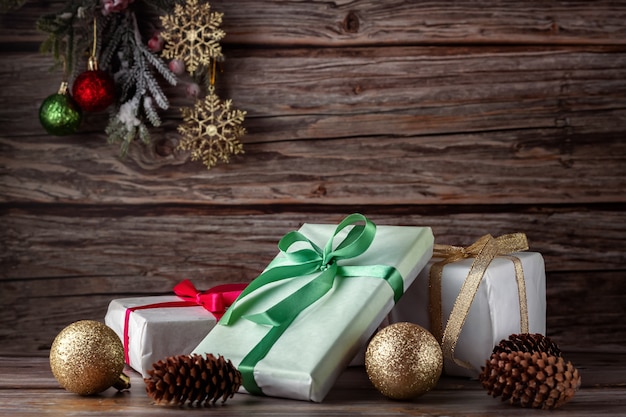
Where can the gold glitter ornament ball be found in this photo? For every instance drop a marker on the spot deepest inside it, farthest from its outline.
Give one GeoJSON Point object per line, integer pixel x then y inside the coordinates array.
{"type": "Point", "coordinates": [403, 361]}
{"type": "Point", "coordinates": [87, 357]}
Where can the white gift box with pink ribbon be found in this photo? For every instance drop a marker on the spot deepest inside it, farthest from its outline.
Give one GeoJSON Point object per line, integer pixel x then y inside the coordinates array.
{"type": "Point", "coordinates": [153, 328]}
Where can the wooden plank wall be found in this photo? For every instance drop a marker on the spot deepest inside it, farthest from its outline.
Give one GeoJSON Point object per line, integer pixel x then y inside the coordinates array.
{"type": "Point", "coordinates": [472, 117]}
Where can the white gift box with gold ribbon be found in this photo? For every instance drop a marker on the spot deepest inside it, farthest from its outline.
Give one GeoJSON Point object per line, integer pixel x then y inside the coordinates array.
{"type": "Point", "coordinates": [470, 301]}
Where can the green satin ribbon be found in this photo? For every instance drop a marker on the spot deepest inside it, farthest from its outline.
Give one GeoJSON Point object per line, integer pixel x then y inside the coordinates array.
{"type": "Point", "coordinates": [300, 263]}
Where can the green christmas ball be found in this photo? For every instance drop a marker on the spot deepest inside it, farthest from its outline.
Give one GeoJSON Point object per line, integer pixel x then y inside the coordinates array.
{"type": "Point", "coordinates": [60, 115]}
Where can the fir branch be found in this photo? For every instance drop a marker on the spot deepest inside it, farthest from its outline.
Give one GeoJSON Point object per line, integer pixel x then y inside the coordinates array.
{"type": "Point", "coordinates": [159, 65]}
{"type": "Point", "coordinates": [128, 79]}
{"type": "Point", "coordinates": [121, 129]}
{"type": "Point", "coordinates": [6, 5]}
{"type": "Point", "coordinates": [66, 31]}
{"type": "Point", "coordinates": [122, 52]}
{"type": "Point", "coordinates": [117, 132]}
{"type": "Point", "coordinates": [115, 36]}
{"type": "Point", "coordinates": [144, 134]}
{"type": "Point", "coordinates": [156, 91]}
{"type": "Point", "coordinates": [140, 69]}
{"type": "Point", "coordinates": [126, 141]}
{"type": "Point", "coordinates": [59, 27]}
{"type": "Point", "coordinates": [135, 67]}
{"type": "Point", "coordinates": [151, 112]}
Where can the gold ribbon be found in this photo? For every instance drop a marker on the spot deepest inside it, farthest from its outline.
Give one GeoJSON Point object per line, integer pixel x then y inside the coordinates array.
{"type": "Point", "coordinates": [484, 250]}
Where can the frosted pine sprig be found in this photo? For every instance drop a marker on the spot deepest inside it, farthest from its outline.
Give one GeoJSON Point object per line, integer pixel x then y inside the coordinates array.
{"type": "Point", "coordinates": [139, 89]}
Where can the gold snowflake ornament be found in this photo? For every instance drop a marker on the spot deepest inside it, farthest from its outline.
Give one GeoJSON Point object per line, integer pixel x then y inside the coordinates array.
{"type": "Point", "coordinates": [211, 130]}
{"type": "Point", "coordinates": [192, 34]}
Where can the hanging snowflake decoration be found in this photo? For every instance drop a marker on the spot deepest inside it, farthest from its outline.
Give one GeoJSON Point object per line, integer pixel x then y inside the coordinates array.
{"type": "Point", "coordinates": [192, 34]}
{"type": "Point", "coordinates": [211, 130]}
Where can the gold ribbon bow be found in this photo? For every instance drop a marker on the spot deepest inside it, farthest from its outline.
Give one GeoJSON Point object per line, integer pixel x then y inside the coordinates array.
{"type": "Point", "coordinates": [484, 250]}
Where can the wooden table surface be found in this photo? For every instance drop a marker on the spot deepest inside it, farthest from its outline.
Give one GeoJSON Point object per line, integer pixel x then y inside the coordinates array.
{"type": "Point", "coordinates": [27, 388]}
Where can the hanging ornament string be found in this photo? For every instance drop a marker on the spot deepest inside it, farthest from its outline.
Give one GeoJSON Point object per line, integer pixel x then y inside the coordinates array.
{"type": "Point", "coordinates": [212, 75]}
{"type": "Point", "coordinates": [95, 44]}
{"type": "Point", "coordinates": [94, 90]}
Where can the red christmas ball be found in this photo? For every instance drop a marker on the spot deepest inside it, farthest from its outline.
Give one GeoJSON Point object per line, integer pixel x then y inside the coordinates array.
{"type": "Point", "coordinates": [94, 90]}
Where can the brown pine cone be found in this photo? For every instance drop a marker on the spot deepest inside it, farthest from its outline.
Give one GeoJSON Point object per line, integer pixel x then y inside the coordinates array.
{"type": "Point", "coordinates": [192, 378]}
{"type": "Point", "coordinates": [530, 377]}
{"type": "Point", "coordinates": [528, 342]}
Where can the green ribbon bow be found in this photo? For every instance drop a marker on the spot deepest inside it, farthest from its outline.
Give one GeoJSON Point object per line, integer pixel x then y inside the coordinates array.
{"type": "Point", "coordinates": [300, 263]}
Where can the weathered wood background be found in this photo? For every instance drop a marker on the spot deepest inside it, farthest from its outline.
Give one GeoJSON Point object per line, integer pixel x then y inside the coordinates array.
{"type": "Point", "coordinates": [472, 117]}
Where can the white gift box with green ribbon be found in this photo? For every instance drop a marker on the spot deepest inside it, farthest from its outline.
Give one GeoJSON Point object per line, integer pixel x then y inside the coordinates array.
{"type": "Point", "coordinates": [298, 325]}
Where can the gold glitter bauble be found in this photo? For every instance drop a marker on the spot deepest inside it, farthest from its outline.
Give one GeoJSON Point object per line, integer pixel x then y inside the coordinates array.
{"type": "Point", "coordinates": [403, 361]}
{"type": "Point", "coordinates": [87, 357]}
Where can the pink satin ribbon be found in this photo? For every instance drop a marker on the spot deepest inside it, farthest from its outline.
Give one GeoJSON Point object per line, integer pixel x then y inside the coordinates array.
{"type": "Point", "coordinates": [215, 300]}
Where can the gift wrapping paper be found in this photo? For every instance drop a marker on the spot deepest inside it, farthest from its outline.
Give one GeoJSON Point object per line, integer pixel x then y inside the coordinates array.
{"type": "Point", "coordinates": [494, 313]}
{"type": "Point", "coordinates": [317, 346]}
{"type": "Point", "coordinates": [156, 333]}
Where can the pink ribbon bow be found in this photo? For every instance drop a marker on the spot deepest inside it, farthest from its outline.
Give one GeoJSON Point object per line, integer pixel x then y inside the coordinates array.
{"type": "Point", "coordinates": [215, 300]}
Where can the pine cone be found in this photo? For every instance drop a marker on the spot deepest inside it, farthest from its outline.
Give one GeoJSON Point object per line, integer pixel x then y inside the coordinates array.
{"type": "Point", "coordinates": [527, 342]}
{"type": "Point", "coordinates": [179, 379]}
{"type": "Point", "coordinates": [529, 371]}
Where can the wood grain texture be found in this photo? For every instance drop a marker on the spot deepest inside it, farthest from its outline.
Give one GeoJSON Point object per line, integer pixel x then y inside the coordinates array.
{"type": "Point", "coordinates": [575, 319]}
{"type": "Point", "coordinates": [469, 126]}
{"type": "Point", "coordinates": [27, 388]}
{"type": "Point", "coordinates": [383, 92]}
{"type": "Point", "coordinates": [164, 242]}
{"type": "Point", "coordinates": [72, 264]}
{"type": "Point", "coordinates": [482, 168]}
{"type": "Point", "coordinates": [336, 172]}
{"type": "Point", "coordinates": [472, 117]}
{"type": "Point", "coordinates": [393, 22]}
